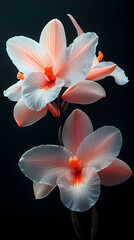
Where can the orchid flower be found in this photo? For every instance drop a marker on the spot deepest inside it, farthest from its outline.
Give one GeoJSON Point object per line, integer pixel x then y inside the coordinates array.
{"type": "Point", "coordinates": [49, 65]}
{"type": "Point", "coordinates": [87, 160]}
{"type": "Point", "coordinates": [22, 114]}
{"type": "Point", "coordinates": [99, 70]}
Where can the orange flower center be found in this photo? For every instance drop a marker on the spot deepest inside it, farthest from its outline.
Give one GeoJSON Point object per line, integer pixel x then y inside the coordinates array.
{"type": "Point", "coordinates": [49, 73]}
{"type": "Point", "coordinates": [100, 56]}
{"type": "Point", "coordinates": [74, 164]}
{"type": "Point", "coordinates": [76, 167]}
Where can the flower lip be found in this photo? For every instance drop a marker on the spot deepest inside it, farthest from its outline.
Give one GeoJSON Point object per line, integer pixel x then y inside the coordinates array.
{"type": "Point", "coordinates": [77, 180]}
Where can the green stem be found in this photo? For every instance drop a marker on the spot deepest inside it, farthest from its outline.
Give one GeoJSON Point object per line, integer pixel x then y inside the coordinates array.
{"type": "Point", "coordinates": [94, 228]}
{"type": "Point", "coordinates": [76, 225]}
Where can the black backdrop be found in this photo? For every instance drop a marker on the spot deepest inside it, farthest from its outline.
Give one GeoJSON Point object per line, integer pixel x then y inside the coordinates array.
{"type": "Point", "coordinates": [21, 215]}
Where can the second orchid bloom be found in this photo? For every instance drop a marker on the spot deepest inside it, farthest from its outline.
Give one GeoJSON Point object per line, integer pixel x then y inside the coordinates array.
{"type": "Point", "coordinates": [87, 160]}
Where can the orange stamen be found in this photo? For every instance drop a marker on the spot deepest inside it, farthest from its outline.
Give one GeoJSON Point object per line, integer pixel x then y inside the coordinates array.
{"type": "Point", "coordinates": [74, 164]}
{"type": "Point", "coordinates": [20, 76]}
{"type": "Point", "coordinates": [49, 73]}
{"type": "Point", "coordinates": [100, 56]}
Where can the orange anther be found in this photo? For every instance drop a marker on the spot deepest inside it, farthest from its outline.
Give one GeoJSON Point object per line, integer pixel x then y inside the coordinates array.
{"type": "Point", "coordinates": [100, 56]}
{"type": "Point", "coordinates": [20, 76]}
{"type": "Point", "coordinates": [74, 164]}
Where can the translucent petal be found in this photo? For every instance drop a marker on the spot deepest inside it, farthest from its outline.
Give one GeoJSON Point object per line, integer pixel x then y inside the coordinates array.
{"type": "Point", "coordinates": [35, 95]}
{"type": "Point", "coordinates": [77, 126]}
{"type": "Point", "coordinates": [100, 71]}
{"type": "Point", "coordinates": [14, 92]}
{"type": "Point", "coordinates": [53, 38]}
{"type": "Point", "coordinates": [117, 172]}
{"type": "Point", "coordinates": [75, 62]}
{"type": "Point", "coordinates": [27, 55]}
{"type": "Point", "coordinates": [100, 148]}
{"type": "Point", "coordinates": [119, 76]}
{"type": "Point", "coordinates": [78, 28]}
{"type": "Point", "coordinates": [79, 192]}
{"type": "Point", "coordinates": [84, 92]}
{"type": "Point", "coordinates": [41, 190]}
{"type": "Point", "coordinates": [25, 116]}
{"type": "Point", "coordinates": [43, 164]}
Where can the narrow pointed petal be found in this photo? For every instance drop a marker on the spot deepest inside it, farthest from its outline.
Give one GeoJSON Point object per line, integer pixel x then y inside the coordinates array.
{"type": "Point", "coordinates": [24, 116]}
{"type": "Point", "coordinates": [78, 28]}
{"type": "Point", "coordinates": [27, 55]}
{"type": "Point", "coordinates": [75, 62]}
{"type": "Point", "coordinates": [53, 108]}
{"type": "Point", "coordinates": [79, 193]}
{"type": "Point", "coordinates": [43, 164]}
{"type": "Point", "coordinates": [42, 190]}
{"type": "Point", "coordinates": [53, 38]}
{"type": "Point", "coordinates": [36, 96]}
{"type": "Point", "coordinates": [119, 76]}
{"type": "Point", "coordinates": [100, 148]}
{"type": "Point", "coordinates": [14, 92]}
{"type": "Point", "coordinates": [77, 126]}
{"type": "Point", "coordinates": [84, 92]}
{"type": "Point", "coordinates": [117, 172]}
{"type": "Point", "coordinates": [100, 71]}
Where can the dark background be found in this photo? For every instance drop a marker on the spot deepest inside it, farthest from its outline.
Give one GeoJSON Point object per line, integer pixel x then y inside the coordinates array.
{"type": "Point", "coordinates": [21, 215]}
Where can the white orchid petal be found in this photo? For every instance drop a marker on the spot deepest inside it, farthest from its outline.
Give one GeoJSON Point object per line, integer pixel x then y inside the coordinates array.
{"type": "Point", "coordinates": [43, 164]}
{"type": "Point", "coordinates": [75, 62]}
{"type": "Point", "coordinates": [14, 92]}
{"type": "Point", "coordinates": [42, 190]}
{"type": "Point", "coordinates": [53, 38]}
{"type": "Point", "coordinates": [100, 148]}
{"type": "Point", "coordinates": [119, 76]}
{"type": "Point", "coordinates": [79, 192]}
{"type": "Point", "coordinates": [84, 92]}
{"type": "Point", "coordinates": [25, 116]}
{"type": "Point", "coordinates": [117, 172]}
{"type": "Point", "coordinates": [27, 55]}
{"type": "Point", "coordinates": [35, 95]}
{"type": "Point", "coordinates": [77, 126]}
{"type": "Point", "coordinates": [78, 28]}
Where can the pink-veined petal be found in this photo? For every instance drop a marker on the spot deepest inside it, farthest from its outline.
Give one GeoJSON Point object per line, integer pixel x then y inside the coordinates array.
{"type": "Point", "coordinates": [36, 94]}
{"type": "Point", "coordinates": [14, 92]}
{"type": "Point", "coordinates": [53, 38]}
{"type": "Point", "coordinates": [42, 190]}
{"type": "Point", "coordinates": [75, 61]}
{"type": "Point", "coordinates": [25, 116]}
{"type": "Point", "coordinates": [84, 92]}
{"type": "Point", "coordinates": [27, 55]}
{"type": "Point", "coordinates": [79, 193]}
{"type": "Point", "coordinates": [78, 28]}
{"type": "Point", "coordinates": [95, 62]}
{"type": "Point", "coordinates": [119, 76]}
{"type": "Point", "coordinates": [117, 172]}
{"type": "Point", "coordinates": [100, 148]}
{"type": "Point", "coordinates": [100, 71]}
{"type": "Point", "coordinates": [77, 126]}
{"type": "Point", "coordinates": [43, 164]}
